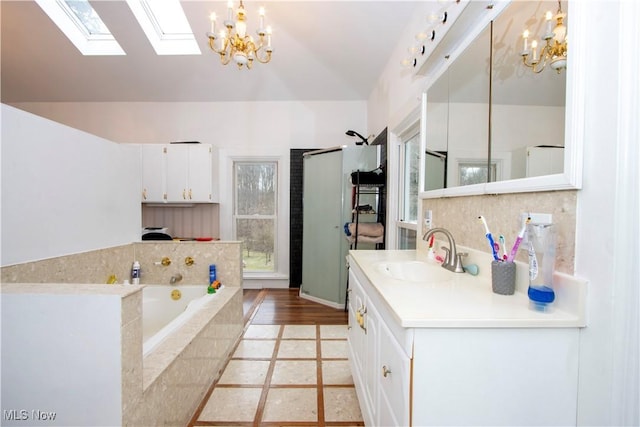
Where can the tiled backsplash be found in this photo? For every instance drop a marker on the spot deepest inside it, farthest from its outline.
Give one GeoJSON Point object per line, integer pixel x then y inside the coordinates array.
{"type": "Point", "coordinates": [87, 267]}
{"type": "Point", "coordinates": [460, 216]}
{"type": "Point", "coordinates": [226, 256]}
{"type": "Point", "coordinates": [95, 267]}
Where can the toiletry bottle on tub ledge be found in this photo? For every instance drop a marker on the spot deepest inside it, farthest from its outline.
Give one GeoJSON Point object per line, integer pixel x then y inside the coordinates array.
{"type": "Point", "coordinates": [542, 255]}
{"type": "Point", "coordinates": [135, 273]}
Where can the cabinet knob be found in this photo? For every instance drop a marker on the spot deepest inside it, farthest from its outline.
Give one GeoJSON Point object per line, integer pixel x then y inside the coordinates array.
{"type": "Point", "coordinates": [385, 371]}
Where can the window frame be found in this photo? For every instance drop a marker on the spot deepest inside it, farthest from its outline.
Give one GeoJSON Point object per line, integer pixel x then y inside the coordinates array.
{"type": "Point", "coordinates": [273, 217]}
{"type": "Point", "coordinates": [412, 134]}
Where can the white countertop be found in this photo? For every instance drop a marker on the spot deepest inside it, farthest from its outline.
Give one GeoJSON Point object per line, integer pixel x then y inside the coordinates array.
{"type": "Point", "coordinates": [462, 300]}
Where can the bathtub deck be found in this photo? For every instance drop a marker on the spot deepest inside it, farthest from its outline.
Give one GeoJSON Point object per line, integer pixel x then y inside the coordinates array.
{"type": "Point", "coordinates": [290, 366]}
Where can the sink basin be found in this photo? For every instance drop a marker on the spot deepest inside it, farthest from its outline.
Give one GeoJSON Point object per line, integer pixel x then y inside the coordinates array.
{"type": "Point", "coordinates": [415, 271]}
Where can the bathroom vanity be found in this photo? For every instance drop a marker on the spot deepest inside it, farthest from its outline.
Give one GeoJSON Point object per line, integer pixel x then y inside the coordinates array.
{"type": "Point", "coordinates": [432, 347]}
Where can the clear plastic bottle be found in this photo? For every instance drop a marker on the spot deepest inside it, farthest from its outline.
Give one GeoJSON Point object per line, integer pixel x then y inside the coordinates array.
{"type": "Point", "coordinates": [542, 255]}
{"type": "Point", "coordinates": [135, 273]}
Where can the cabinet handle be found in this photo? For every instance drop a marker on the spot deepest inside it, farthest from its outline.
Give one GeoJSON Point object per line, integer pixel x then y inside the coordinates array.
{"type": "Point", "coordinates": [144, 194]}
{"type": "Point", "coordinates": [360, 318]}
{"type": "Point", "coordinates": [184, 194]}
{"type": "Point", "coordinates": [385, 371]}
{"type": "Point", "coordinates": [190, 194]}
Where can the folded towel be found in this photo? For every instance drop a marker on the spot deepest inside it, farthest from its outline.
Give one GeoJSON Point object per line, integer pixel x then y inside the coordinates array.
{"type": "Point", "coordinates": [366, 239]}
{"type": "Point", "coordinates": [370, 229]}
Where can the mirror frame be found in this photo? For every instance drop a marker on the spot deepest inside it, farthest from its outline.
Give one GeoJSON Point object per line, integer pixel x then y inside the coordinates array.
{"type": "Point", "coordinates": [571, 178]}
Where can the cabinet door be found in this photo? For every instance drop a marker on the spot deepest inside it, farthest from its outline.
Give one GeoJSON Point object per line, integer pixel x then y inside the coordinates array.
{"type": "Point", "coordinates": [394, 372]}
{"type": "Point", "coordinates": [371, 362]}
{"type": "Point", "coordinates": [199, 177]}
{"type": "Point", "coordinates": [358, 350]}
{"type": "Point", "coordinates": [177, 173]}
{"type": "Point", "coordinates": [544, 160]}
{"type": "Point", "coordinates": [153, 160]}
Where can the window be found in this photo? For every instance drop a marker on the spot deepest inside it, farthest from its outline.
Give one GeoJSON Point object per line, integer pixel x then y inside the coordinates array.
{"type": "Point", "coordinates": [474, 172]}
{"type": "Point", "coordinates": [408, 188]}
{"type": "Point", "coordinates": [255, 213]}
{"type": "Point", "coordinates": [166, 26]}
{"type": "Point", "coordinates": [83, 27]}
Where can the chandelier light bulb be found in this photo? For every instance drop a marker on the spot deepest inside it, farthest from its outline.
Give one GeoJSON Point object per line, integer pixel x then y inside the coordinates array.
{"type": "Point", "coordinates": [230, 10]}
{"type": "Point", "coordinates": [269, 31]}
{"type": "Point", "coordinates": [213, 18]}
{"type": "Point", "coordinates": [234, 44]}
{"type": "Point", "coordinates": [548, 17]}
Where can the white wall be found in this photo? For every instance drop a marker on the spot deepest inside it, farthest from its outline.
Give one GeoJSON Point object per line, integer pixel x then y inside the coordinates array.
{"type": "Point", "coordinates": [62, 346]}
{"type": "Point", "coordinates": [608, 212]}
{"type": "Point", "coordinates": [239, 130]}
{"type": "Point", "coordinates": [64, 191]}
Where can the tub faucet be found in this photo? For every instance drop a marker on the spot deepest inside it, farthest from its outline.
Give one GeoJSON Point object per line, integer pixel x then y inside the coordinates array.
{"type": "Point", "coordinates": [452, 259]}
{"type": "Point", "coordinates": [175, 278]}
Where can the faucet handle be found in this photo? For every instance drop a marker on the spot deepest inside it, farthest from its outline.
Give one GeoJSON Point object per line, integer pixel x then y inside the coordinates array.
{"type": "Point", "coordinates": [447, 254]}
{"type": "Point", "coordinates": [458, 268]}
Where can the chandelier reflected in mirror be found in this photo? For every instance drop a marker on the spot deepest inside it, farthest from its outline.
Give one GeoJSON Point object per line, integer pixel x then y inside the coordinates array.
{"type": "Point", "coordinates": [233, 43]}
{"type": "Point", "coordinates": [554, 51]}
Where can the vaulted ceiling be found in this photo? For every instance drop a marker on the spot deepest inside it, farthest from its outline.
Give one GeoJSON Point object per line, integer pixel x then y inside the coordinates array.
{"type": "Point", "coordinates": [323, 50]}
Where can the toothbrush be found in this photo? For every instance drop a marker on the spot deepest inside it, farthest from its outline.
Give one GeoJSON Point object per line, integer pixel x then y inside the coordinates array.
{"type": "Point", "coordinates": [430, 253]}
{"type": "Point", "coordinates": [489, 238]}
{"type": "Point", "coordinates": [504, 247]}
{"type": "Point", "coordinates": [516, 245]}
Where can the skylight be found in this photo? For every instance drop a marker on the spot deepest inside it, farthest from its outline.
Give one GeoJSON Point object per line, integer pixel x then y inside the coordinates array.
{"type": "Point", "coordinates": [82, 25]}
{"type": "Point", "coordinates": [166, 26]}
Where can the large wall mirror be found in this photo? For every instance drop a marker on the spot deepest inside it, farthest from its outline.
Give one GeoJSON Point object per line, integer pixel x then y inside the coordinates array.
{"type": "Point", "coordinates": [494, 125]}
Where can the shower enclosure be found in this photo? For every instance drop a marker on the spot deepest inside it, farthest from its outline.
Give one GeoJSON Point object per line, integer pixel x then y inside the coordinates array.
{"type": "Point", "coordinates": [327, 192]}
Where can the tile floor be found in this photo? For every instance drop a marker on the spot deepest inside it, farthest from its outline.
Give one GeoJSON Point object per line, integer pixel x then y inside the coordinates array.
{"type": "Point", "coordinates": [293, 375]}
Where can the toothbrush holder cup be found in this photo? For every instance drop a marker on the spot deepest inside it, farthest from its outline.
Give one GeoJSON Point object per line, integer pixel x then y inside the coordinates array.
{"type": "Point", "coordinates": [503, 277]}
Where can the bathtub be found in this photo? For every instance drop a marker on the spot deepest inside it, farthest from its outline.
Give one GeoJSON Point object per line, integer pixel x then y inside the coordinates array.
{"type": "Point", "coordinates": [162, 313]}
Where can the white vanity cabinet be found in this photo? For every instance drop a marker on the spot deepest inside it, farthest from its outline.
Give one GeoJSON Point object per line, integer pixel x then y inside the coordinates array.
{"type": "Point", "coordinates": [179, 173]}
{"type": "Point", "coordinates": [456, 371]}
{"type": "Point", "coordinates": [379, 365]}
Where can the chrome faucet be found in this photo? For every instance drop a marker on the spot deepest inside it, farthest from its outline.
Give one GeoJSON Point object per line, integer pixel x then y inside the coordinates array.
{"type": "Point", "coordinates": [452, 259]}
{"type": "Point", "coordinates": [175, 278]}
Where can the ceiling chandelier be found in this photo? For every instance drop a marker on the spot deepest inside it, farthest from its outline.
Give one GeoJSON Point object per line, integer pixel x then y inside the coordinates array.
{"type": "Point", "coordinates": [554, 52]}
{"type": "Point", "coordinates": [233, 43]}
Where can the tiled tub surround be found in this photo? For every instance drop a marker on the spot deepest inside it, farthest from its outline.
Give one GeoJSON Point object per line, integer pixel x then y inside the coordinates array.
{"type": "Point", "coordinates": [459, 215]}
{"type": "Point", "coordinates": [163, 388]}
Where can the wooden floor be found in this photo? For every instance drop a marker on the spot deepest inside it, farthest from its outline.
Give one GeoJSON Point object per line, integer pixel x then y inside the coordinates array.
{"type": "Point", "coordinates": [285, 307]}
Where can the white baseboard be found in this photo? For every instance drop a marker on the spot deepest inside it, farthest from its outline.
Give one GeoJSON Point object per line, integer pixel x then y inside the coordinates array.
{"type": "Point", "coordinates": [321, 301]}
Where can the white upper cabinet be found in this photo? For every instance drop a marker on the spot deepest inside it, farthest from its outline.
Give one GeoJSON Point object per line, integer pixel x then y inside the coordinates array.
{"type": "Point", "coordinates": [179, 173]}
{"type": "Point", "coordinates": [153, 173]}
